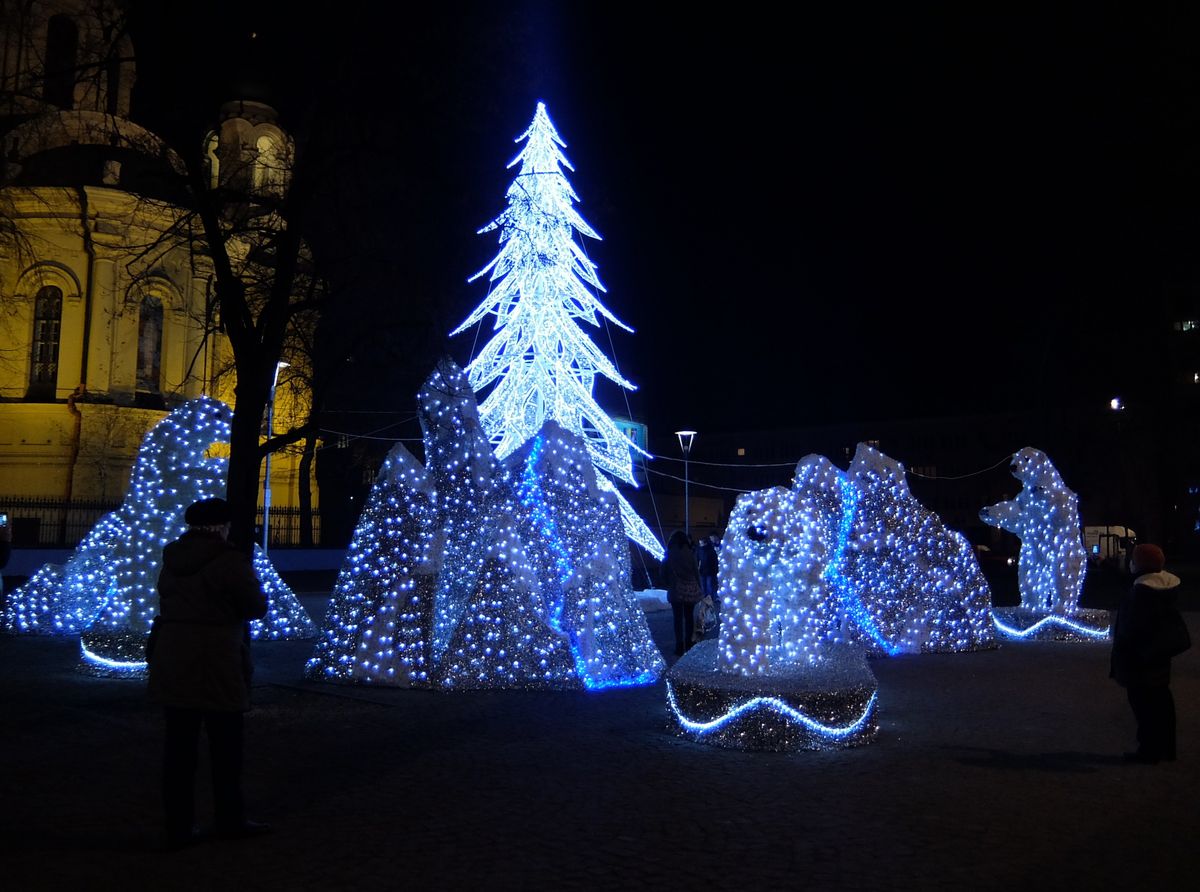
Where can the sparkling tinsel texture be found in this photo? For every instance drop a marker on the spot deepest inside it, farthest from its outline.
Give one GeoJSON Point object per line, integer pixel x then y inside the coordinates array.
{"type": "Point", "coordinates": [1052, 562]}
{"type": "Point", "coordinates": [468, 572]}
{"type": "Point", "coordinates": [106, 590]}
{"type": "Point", "coordinates": [913, 584]}
{"type": "Point", "coordinates": [782, 676]}
{"type": "Point", "coordinates": [780, 571]}
{"type": "Point", "coordinates": [540, 363]}
{"type": "Point", "coordinates": [830, 705]}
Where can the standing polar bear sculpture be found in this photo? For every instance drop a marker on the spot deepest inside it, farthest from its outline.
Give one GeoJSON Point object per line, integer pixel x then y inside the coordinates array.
{"type": "Point", "coordinates": [1045, 516]}
{"type": "Point", "coordinates": [1052, 563]}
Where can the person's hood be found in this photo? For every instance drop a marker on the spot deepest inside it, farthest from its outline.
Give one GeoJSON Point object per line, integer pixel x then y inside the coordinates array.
{"type": "Point", "coordinates": [1161, 581]}
{"type": "Point", "coordinates": [192, 551]}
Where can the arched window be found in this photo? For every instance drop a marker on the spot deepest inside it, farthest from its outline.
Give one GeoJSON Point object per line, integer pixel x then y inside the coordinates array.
{"type": "Point", "coordinates": [150, 327]}
{"type": "Point", "coordinates": [269, 168]}
{"type": "Point", "coordinates": [43, 360]}
{"type": "Point", "coordinates": [58, 77]}
{"type": "Point", "coordinates": [211, 143]}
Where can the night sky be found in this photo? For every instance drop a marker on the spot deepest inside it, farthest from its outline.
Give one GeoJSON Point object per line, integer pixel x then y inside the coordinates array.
{"type": "Point", "coordinates": [865, 213]}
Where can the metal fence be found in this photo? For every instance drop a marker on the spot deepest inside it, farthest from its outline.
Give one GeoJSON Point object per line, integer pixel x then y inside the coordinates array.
{"type": "Point", "coordinates": [285, 526]}
{"type": "Point", "coordinates": [55, 523]}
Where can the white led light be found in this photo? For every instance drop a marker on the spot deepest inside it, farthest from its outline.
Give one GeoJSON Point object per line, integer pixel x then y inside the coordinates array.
{"type": "Point", "coordinates": [1045, 516]}
{"type": "Point", "coordinates": [469, 572]}
{"type": "Point", "coordinates": [541, 363]}
{"type": "Point", "coordinates": [108, 585]}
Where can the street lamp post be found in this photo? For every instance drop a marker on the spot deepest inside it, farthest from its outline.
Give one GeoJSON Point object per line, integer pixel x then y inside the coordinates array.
{"type": "Point", "coordinates": [267, 477]}
{"type": "Point", "coordinates": [685, 445]}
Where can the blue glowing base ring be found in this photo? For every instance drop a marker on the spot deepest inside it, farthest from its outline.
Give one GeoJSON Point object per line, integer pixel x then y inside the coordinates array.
{"type": "Point", "coordinates": [832, 707]}
{"type": "Point", "coordinates": [112, 654]}
{"type": "Point", "coordinates": [1023, 624]}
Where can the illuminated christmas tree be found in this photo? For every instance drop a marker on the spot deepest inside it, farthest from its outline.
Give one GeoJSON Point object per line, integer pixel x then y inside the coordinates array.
{"type": "Point", "coordinates": [540, 364]}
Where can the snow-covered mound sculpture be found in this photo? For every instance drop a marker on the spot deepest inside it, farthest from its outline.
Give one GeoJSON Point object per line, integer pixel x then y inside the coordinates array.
{"type": "Point", "coordinates": [916, 584]}
{"type": "Point", "coordinates": [467, 572]}
{"type": "Point", "coordinates": [781, 676]}
{"type": "Point", "coordinates": [1052, 562]}
{"type": "Point", "coordinates": [106, 590]}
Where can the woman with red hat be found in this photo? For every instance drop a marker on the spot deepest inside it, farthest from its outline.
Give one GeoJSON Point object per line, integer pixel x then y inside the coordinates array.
{"type": "Point", "coordinates": [1147, 632]}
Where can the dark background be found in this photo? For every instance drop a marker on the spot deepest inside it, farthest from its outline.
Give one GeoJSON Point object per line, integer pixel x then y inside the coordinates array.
{"type": "Point", "coordinates": [873, 212]}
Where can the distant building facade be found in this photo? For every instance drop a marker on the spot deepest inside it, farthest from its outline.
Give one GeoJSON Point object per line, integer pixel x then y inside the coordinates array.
{"type": "Point", "coordinates": [106, 313]}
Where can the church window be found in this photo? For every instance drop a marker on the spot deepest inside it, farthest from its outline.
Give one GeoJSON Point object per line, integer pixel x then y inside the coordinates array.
{"type": "Point", "coordinates": [211, 143]}
{"type": "Point", "coordinates": [268, 171]}
{"type": "Point", "coordinates": [150, 326]}
{"type": "Point", "coordinates": [47, 322]}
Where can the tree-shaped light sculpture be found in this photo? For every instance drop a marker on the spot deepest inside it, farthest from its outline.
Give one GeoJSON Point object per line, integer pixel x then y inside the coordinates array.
{"type": "Point", "coordinates": [1052, 563]}
{"type": "Point", "coordinates": [540, 363]}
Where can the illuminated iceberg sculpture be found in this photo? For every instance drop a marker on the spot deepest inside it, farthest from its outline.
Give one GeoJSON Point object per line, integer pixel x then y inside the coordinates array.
{"type": "Point", "coordinates": [914, 584]}
{"type": "Point", "coordinates": [1052, 562]}
{"type": "Point", "coordinates": [469, 572]}
{"type": "Point", "coordinates": [782, 675]}
{"type": "Point", "coordinates": [106, 590]}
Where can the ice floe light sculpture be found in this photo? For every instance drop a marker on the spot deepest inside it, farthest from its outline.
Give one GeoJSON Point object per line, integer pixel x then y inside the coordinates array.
{"type": "Point", "coordinates": [1052, 562]}
{"type": "Point", "coordinates": [918, 581]}
{"type": "Point", "coordinates": [469, 572]}
{"type": "Point", "coordinates": [106, 592]}
{"type": "Point", "coordinates": [540, 364]}
{"type": "Point", "coordinates": [814, 577]}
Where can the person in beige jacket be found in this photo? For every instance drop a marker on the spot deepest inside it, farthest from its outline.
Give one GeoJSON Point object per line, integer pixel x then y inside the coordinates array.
{"type": "Point", "coordinates": [200, 668]}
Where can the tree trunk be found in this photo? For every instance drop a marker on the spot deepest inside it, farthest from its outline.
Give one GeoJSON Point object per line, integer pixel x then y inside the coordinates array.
{"type": "Point", "coordinates": [245, 459]}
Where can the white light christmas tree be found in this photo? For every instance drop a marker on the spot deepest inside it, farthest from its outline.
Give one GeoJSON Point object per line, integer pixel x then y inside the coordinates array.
{"type": "Point", "coordinates": [1052, 562]}
{"type": "Point", "coordinates": [106, 592]}
{"type": "Point", "coordinates": [540, 363]}
{"type": "Point", "coordinates": [474, 573]}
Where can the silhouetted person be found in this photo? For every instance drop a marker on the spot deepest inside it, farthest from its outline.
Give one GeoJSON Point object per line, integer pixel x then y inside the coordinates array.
{"type": "Point", "coordinates": [706, 556]}
{"type": "Point", "coordinates": [1147, 632]}
{"type": "Point", "coordinates": [683, 588]}
{"type": "Point", "coordinates": [200, 668]}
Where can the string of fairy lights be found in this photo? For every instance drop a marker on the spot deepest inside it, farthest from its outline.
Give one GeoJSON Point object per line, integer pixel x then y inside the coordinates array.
{"type": "Point", "coordinates": [471, 572]}
{"type": "Point", "coordinates": [105, 592]}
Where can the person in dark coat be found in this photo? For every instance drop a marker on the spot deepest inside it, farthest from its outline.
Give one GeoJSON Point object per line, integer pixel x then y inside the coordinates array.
{"type": "Point", "coordinates": [1147, 631]}
{"type": "Point", "coordinates": [708, 560]}
{"type": "Point", "coordinates": [200, 667]}
{"type": "Point", "coordinates": [683, 588]}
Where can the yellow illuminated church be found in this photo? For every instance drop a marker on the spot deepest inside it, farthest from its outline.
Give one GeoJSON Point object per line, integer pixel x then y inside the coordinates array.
{"type": "Point", "coordinates": [106, 317]}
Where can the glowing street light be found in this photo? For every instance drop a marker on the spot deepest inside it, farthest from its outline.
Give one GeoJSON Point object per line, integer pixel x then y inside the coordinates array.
{"type": "Point", "coordinates": [270, 433]}
{"type": "Point", "coordinates": [685, 445]}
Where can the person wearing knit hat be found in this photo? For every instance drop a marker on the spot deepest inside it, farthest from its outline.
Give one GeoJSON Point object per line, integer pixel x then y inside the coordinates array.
{"type": "Point", "coordinates": [200, 668]}
{"type": "Point", "coordinates": [1147, 632]}
{"type": "Point", "coordinates": [1149, 558]}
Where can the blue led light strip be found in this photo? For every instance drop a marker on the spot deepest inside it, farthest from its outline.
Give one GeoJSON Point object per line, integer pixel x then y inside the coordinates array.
{"type": "Point", "coordinates": [533, 498]}
{"type": "Point", "coordinates": [775, 705]}
{"type": "Point", "coordinates": [88, 656]}
{"type": "Point", "coordinates": [851, 602]}
{"type": "Point", "coordinates": [1098, 634]}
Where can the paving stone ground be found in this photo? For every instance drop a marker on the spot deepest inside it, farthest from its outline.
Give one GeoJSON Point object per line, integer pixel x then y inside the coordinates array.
{"type": "Point", "coordinates": [992, 770]}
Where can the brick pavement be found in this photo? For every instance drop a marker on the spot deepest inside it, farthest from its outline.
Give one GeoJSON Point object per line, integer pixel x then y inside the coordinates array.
{"type": "Point", "coordinates": [992, 770]}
